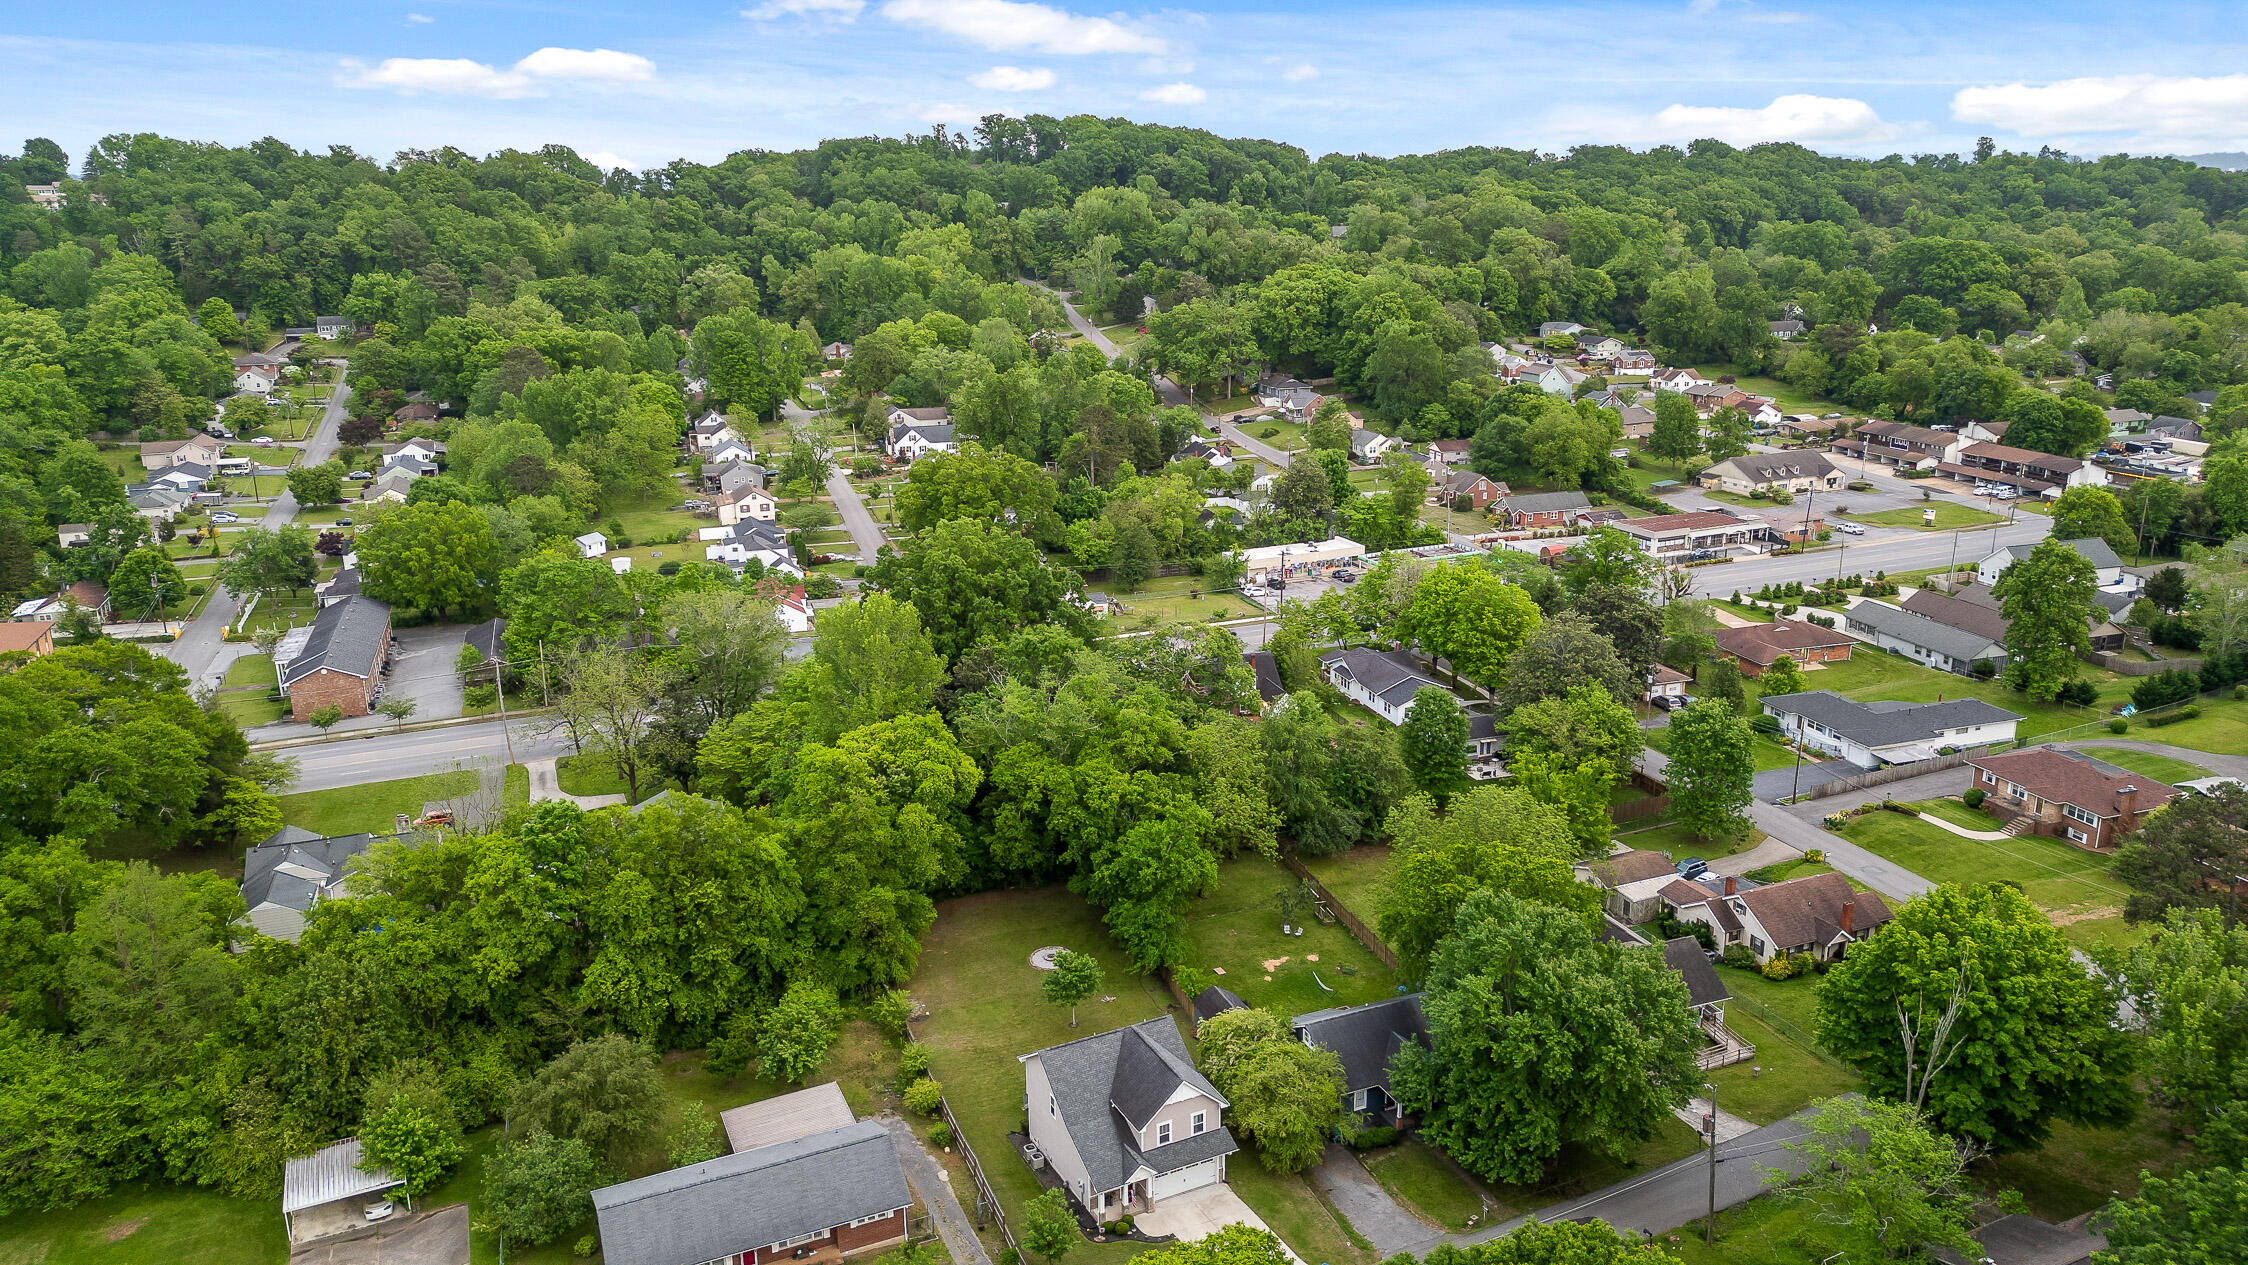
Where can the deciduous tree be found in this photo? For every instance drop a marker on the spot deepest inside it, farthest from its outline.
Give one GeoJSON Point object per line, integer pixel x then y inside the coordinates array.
{"type": "Point", "coordinates": [1075, 977]}
{"type": "Point", "coordinates": [1890, 1181]}
{"type": "Point", "coordinates": [1433, 742]}
{"type": "Point", "coordinates": [2047, 597]}
{"type": "Point", "coordinates": [1711, 770]}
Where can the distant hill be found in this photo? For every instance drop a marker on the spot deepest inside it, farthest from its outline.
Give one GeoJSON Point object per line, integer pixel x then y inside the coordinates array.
{"type": "Point", "coordinates": [2223, 162]}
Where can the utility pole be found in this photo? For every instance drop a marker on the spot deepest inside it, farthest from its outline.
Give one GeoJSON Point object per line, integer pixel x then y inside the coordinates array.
{"type": "Point", "coordinates": [1709, 1227]}
{"type": "Point", "coordinates": [499, 683]}
{"type": "Point", "coordinates": [546, 694]}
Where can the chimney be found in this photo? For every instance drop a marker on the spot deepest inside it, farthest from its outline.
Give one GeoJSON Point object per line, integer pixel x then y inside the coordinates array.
{"type": "Point", "coordinates": [2125, 797]}
{"type": "Point", "coordinates": [1849, 916]}
{"type": "Point", "coordinates": [1730, 884]}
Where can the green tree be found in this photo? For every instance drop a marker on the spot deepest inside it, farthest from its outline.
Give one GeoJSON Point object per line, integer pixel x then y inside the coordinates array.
{"type": "Point", "coordinates": [1286, 1097]}
{"type": "Point", "coordinates": [1407, 481]}
{"type": "Point", "coordinates": [1711, 769]}
{"type": "Point", "coordinates": [68, 1137]}
{"type": "Point", "coordinates": [2086, 511]}
{"type": "Point", "coordinates": [148, 975]}
{"type": "Point", "coordinates": [1472, 619]}
{"type": "Point", "coordinates": [2189, 987]}
{"type": "Point", "coordinates": [1049, 1228]}
{"type": "Point", "coordinates": [2047, 599]}
{"type": "Point", "coordinates": [317, 485]}
{"type": "Point", "coordinates": [409, 1127]}
{"type": "Point", "coordinates": [539, 1188]}
{"type": "Point", "coordinates": [556, 600]}
{"type": "Point", "coordinates": [1585, 724]}
{"type": "Point", "coordinates": [1969, 1007]}
{"type": "Point", "coordinates": [1492, 838]}
{"type": "Point", "coordinates": [612, 698]}
{"type": "Point", "coordinates": [145, 583]}
{"type": "Point", "coordinates": [433, 556]}
{"type": "Point", "coordinates": [871, 661]}
{"type": "Point", "coordinates": [1614, 1037]}
{"type": "Point", "coordinates": [2179, 857]}
{"type": "Point", "coordinates": [1781, 678]}
{"type": "Point", "coordinates": [994, 486]}
{"type": "Point", "coordinates": [1075, 977]}
{"type": "Point", "coordinates": [1302, 493]}
{"type": "Point", "coordinates": [971, 580]}
{"type": "Point", "coordinates": [325, 717]}
{"type": "Point", "coordinates": [1132, 556]}
{"type": "Point", "coordinates": [2192, 1218]}
{"type": "Point", "coordinates": [1565, 652]}
{"type": "Point", "coordinates": [1729, 433]}
{"type": "Point", "coordinates": [794, 1036]}
{"type": "Point", "coordinates": [1329, 427]}
{"type": "Point", "coordinates": [1677, 434]}
{"type": "Point", "coordinates": [748, 361]}
{"type": "Point", "coordinates": [269, 562]}
{"type": "Point", "coordinates": [602, 1091]}
{"type": "Point", "coordinates": [1895, 1186]}
{"type": "Point", "coordinates": [695, 1138]}
{"type": "Point", "coordinates": [1433, 741]}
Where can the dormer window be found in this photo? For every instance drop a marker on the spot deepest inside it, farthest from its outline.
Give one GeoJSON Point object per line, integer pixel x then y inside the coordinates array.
{"type": "Point", "coordinates": [1163, 1133]}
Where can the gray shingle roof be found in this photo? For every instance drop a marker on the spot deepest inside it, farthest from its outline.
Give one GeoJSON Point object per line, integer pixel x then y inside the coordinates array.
{"type": "Point", "coordinates": [1919, 630]}
{"type": "Point", "coordinates": [1088, 1078]}
{"type": "Point", "coordinates": [1216, 1000]}
{"type": "Point", "coordinates": [1544, 502]}
{"type": "Point", "coordinates": [1366, 1037]}
{"type": "Point", "coordinates": [348, 637]}
{"type": "Point", "coordinates": [1685, 956]}
{"type": "Point", "coordinates": [293, 866]}
{"type": "Point", "coordinates": [1390, 675]}
{"type": "Point", "coordinates": [2092, 547]}
{"type": "Point", "coordinates": [1761, 467]}
{"type": "Point", "coordinates": [752, 1198]}
{"type": "Point", "coordinates": [1886, 723]}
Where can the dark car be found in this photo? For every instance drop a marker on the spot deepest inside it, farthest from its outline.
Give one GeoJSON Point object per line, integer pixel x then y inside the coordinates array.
{"type": "Point", "coordinates": [1346, 577]}
{"type": "Point", "coordinates": [1692, 867]}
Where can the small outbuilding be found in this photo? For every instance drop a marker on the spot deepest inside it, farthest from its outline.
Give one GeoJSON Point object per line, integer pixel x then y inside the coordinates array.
{"type": "Point", "coordinates": [327, 1193]}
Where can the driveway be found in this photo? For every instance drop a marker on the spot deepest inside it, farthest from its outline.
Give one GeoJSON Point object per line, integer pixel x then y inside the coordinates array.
{"type": "Point", "coordinates": [1197, 1214]}
{"type": "Point", "coordinates": [930, 1186]}
{"type": "Point", "coordinates": [1370, 1210]}
{"type": "Point", "coordinates": [437, 1237]}
{"type": "Point", "coordinates": [421, 670]}
{"type": "Point", "coordinates": [1774, 785]}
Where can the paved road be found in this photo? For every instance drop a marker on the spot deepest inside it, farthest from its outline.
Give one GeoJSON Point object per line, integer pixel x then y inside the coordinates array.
{"type": "Point", "coordinates": [1263, 451]}
{"type": "Point", "coordinates": [928, 1183]}
{"type": "Point", "coordinates": [1898, 551]}
{"type": "Point", "coordinates": [201, 647]}
{"type": "Point", "coordinates": [866, 534]}
{"type": "Point", "coordinates": [1671, 1196]}
{"type": "Point", "coordinates": [382, 756]}
{"type": "Point", "coordinates": [1171, 392]}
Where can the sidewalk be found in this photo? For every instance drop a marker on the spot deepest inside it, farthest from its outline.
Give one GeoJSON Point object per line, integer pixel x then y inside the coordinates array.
{"type": "Point", "coordinates": [546, 784]}
{"type": "Point", "coordinates": [929, 1185]}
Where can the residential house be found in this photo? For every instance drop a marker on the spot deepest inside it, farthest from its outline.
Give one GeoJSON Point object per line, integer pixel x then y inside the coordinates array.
{"type": "Point", "coordinates": [256, 380]}
{"type": "Point", "coordinates": [836, 351]}
{"type": "Point", "coordinates": [2021, 469]}
{"type": "Point", "coordinates": [727, 452]}
{"type": "Point", "coordinates": [1798, 472]}
{"type": "Point", "coordinates": [420, 451]}
{"type": "Point", "coordinates": [417, 412]}
{"type": "Point", "coordinates": [184, 476]}
{"type": "Point", "coordinates": [1902, 446]}
{"type": "Point", "coordinates": [1634, 360]}
{"type": "Point", "coordinates": [2067, 795]}
{"type": "Point", "coordinates": [1665, 681]}
{"type": "Point", "coordinates": [1266, 670]}
{"type": "Point", "coordinates": [1763, 414]}
{"type": "Point", "coordinates": [735, 474]}
{"type": "Point", "coordinates": [1477, 490]}
{"type": "Point", "coordinates": [1786, 330]}
{"type": "Point", "coordinates": [1756, 647]}
{"type": "Point", "coordinates": [2165, 426]}
{"type": "Point", "coordinates": [745, 501]}
{"type": "Point", "coordinates": [711, 430]}
{"type": "Point", "coordinates": [43, 610]}
{"type": "Point", "coordinates": [1807, 428]}
{"type": "Point", "coordinates": [1599, 346]}
{"type": "Point", "coordinates": [1706, 994]}
{"type": "Point", "coordinates": [1818, 914]}
{"type": "Point", "coordinates": [198, 450]}
{"type": "Point", "coordinates": [1367, 1038]}
{"type": "Point", "coordinates": [1214, 1001]}
{"type": "Point", "coordinates": [1368, 446]}
{"type": "Point", "coordinates": [159, 504]}
{"type": "Point", "coordinates": [2106, 566]}
{"type": "Point", "coordinates": [1550, 328]}
{"type": "Point", "coordinates": [35, 637]}
{"type": "Point", "coordinates": [1947, 647]}
{"type": "Point", "coordinates": [1124, 1119]}
{"type": "Point", "coordinates": [751, 540]}
{"type": "Point", "coordinates": [1561, 380]}
{"type": "Point", "coordinates": [917, 432]}
{"type": "Point", "coordinates": [1296, 401]}
{"type": "Point", "coordinates": [342, 660]}
{"type": "Point", "coordinates": [70, 535]}
{"type": "Point", "coordinates": [592, 545]}
{"type": "Point", "coordinates": [331, 327]}
{"type": "Point", "coordinates": [338, 587]}
{"type": "Point", "coordinates": [1606, 515]}
{"type": "Point", "coordinates": [1696, 533]}
{"type": "Point", "coordinates": [793, 610]}
{"type": "Point", "coordinates": [292, 871]}
{"type": "Point", "coordinates": [392, 487]}
{"type": "Point", "coordinates": [85, 594]}
{"type": "Point", "coordinates": [1384, 682]}
{"type": "Point", "coordinates": [1987, 432]}
{"type": "Point", "coordinates": [803, 1182]}
{"type": "Point", "coordinates": [1638, 421]}
{"type": "Point", "coordinates": [1451, 452]}
{"type": "Point", "coordinates": [2125, 421]}
{"type": "Point", "coordinates": [1631, 883]}
{"type": "Point", "coordinates": [47, 197]}
{"type": "Point", "coordinates": [1884, 732]}
{"type": "Point", "coordinates": [1708, 397]}
{"type": "Point", "coordinates": [1679, 380]}
{"type": "Point", "coordinates": [1974, 611]}
{"type": "Point", "coordinates": [1532, 511]}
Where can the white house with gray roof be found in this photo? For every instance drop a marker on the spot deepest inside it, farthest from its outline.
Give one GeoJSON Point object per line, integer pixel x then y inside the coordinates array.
{"type": "Point", "coordinates": [1383, 682]}
{"type": "Point", "coordinates": [1124, 1119]}
{"type": "Point", "coordinates": [295, 869]}
{"type": "Point", "coordinates": [2105, 564]}
{"type": "Point", "coordinates": [1884, 731]}
{"type": "Point", "coordinates": [1921, 639]}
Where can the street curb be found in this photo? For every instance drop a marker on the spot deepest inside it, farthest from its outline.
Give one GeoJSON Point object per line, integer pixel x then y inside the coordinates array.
{"type": "Point", "coordinates": [284, 744]}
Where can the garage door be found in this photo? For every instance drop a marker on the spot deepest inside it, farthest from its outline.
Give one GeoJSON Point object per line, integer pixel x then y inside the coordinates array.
{"type": "Point", "coordinates": [1185, 1179]}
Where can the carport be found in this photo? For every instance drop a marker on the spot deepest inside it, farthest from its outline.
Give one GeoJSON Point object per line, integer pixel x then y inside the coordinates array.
{"type": "Point", "coordinates": [327, 1192]}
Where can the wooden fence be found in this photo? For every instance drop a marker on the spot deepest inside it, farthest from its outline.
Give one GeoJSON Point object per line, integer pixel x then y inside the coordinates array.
{"type": "Point", "coordinates": [2139, 667]}
{"type": "Point", "coordinates": [1880, 777]}
{"type": "Point", "coordinates": [1359, 931]}
{"type": "Point", "coordinates": [988, 1207]}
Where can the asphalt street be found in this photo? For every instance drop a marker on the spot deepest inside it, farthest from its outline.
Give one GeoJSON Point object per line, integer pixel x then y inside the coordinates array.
{"type": "Point", "coordinates": [382, 755]}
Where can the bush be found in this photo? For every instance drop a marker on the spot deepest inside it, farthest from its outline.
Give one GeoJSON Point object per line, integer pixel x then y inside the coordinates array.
{"type": "Point", "coordinates": [1192, 980]}
{"type": "Point", "coordinates": [668, 568]}
{"type": "Point", "coordinates": [2187, 712]}
{"type": "Point", "coordinates": [479, 695]}
{"type": "Point", "coordinates": [940, 1133]}
{"type": "Point", "coordinates": [198, 589]}
{"type": "Point", "coordinates": [2239, 692]}
{"type": "Point", "coordinates": [890, 1011]}
{"type": "Point", "coordinates": [924, 1097]}
{"type": "Point", "coordinates": [1738, 956]}
{"type": "Point", "coordinates": [1368, 1138]}
{"type": "Point", "coordinates": [1973, 798]}
{"type": "Point", "coordinates": [1815, 854]}
{"type": "Point", "coordinates": [1764, 723]}
{"type": "Point", "coordinates": [2119, 725]}
{"type": "Point", "coordinates": [1897, 806]}
{"type": "Point", "coordinates": [913, 1064]}
{"type": "Point", "coordinates": [1779, 968]}
{"type": "Point", "coordinates": [2172, 686]}
{"type": "Point", "coordinates": [1802, 963]}
{"type": "Point", "coordinates": [2081, 692]}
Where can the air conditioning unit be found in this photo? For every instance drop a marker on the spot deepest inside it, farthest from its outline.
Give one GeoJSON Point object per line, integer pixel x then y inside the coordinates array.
{"type": "Point", "coordinates": [1033, 1156]}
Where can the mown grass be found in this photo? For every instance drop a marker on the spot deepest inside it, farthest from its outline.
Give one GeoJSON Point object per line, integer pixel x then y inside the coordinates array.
{"type": "Point", "coordinates": [372, 806]}
{"type": "Point", "coordinates": [2162, 768]}
{"type": "Point", "coordinates": [2075, 888]}
{"type": "Point", "coordinates": [1949, 515]}
{"type": "Point", "coordinates": [147, 1223]}
{"type": "Point", "coordinates": [1355, 878]}
{"type": "Point", "coordinates": [1423, 1180]}
{"type": "Point", "coordinates": [1236, 930]}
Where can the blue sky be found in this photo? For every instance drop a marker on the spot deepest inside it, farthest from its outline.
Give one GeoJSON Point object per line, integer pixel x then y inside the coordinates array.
{"type": "Point", "coordinates": [638, 84]}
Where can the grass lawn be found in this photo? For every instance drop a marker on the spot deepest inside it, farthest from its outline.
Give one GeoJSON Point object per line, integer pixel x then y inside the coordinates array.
{"type": "Point", "coordinates": [1949, 515]}
{"type": "Point", "coordinates": [2077, 1168]}
{"type": "Point", "coordinates": [1958, 814]}
{"type": "Point", "coordinates": [1292, 1210]}
{"type": "Point", "coordinates": [1677, 841]}
{"type": "Point", "coordinates": [146, 1223]}
{"type": "Point", "coordinates": [1782, 1077]}
{"type": "Point", "coordinates": [1173, 597]}
{"type": "Point", "coordinates": [1355, 878]}
{"type": "Point", "coordinates": [2072, 886]}
{"type": "Point", "coordinates": [251, 708]}
{"type": "Point", "coordinates": [1875, 674]}
{"type": "Point", "coordinates": [2222, 727]}
{"type": "Point", "coordinates": [1286, 436]}
{"type": "Point", "coordinates": [595, 775]}
{"type": "Point", "coordinates": [1236, 929]}
{"type": "Point", "coordinates": [1578, 1170]}
{"type": "Point", "coordinates": [1244, 396]}
{"type": "Point", "coordinates": [1747, 612]}
{"type": "Point", "coordinates": [1790, 399]}
{"type": "Point", "coordinates": [1765, 1231]}
{"type": "Point", "coordinates": [250, 669]}
{"type": "Point", "coordinates": [1423, 1180]}
{"type": "Point", "coordinates": [985, 1008]}
{"type": "Point", "coordinates": [372, 806]}
{"type": "Point", "coordinates": [2152, 764]}
{"type": "Point", "coordinates": [1769, 754]}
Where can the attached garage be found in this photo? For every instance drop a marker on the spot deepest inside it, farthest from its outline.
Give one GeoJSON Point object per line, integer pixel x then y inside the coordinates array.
{"type": "Point", "coordinates": [1165, 1185]}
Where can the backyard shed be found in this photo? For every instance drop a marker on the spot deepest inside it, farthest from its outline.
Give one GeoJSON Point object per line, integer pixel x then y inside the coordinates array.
{"type": "Point", "coordinates": [326, 1192]}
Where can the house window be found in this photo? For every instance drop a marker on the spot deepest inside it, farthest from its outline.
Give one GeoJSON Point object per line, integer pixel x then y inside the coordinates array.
{"type": "Point", "coordinates": [1051, 1110]}
{"type": "Point", "coordinates": [1756, 944]}
{"type": "Point", "coordinates": [1162, 1133]}
{"type": "Point", "coordinates": [2077, 836]}
{"type": "Point", "coordinates": [879, 1216]}
{"type": "Point", "coordinates": [1358, 1100]}
{"type": "Point", "coordinates": [1197, 1123]}
{"type": "Point", "coordinates": [2080, 815]}
{"type": "Point", "coordinates": [2013, 790]}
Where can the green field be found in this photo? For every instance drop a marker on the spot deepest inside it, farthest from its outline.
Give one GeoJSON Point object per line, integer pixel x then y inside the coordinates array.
{"type": "Point", "coordinates": [1355, 878]}
{"type": "Point", "coordinates": [1175, 597]}
{"type": "Point", "coordinates": [251, 708]}
{"type": "Point", "coordinates": [1675, 840]}
{"type": "Point", "coordinates": [1787, 1072]}
{"type": "Point", "coordinates": [147, 1223]}
{"type": "Point", "coordinates": [372, 806]}
{"type": "Point", "coordinates": [1422, 1179]}
{"type": "Point", "coordinates": [1236, 930]}
{"type": "Point", "coordinates": [2075, 888]}
{"type": "Point", "coordinates": [2152, 764]}
{"type": "Point", "coordinates": [597, 775]}
{"type": "Point", "coordinates": [1949, 515]}
{"type": "Point", "coordinates": [1287, 436]}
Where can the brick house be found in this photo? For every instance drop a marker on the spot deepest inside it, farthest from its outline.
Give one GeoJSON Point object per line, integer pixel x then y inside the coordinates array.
{"type": "Point", "coordinates": [2067, 795]}
{"type": "Point", "coordinates": [342, 659]}
{"type": "Point", "coordinates": [31, 636]}
{"type": "Point", "coordinates": [1529, 511]}
{"type": "Point", "coordinates": [1818, 914]}
{"type": "Point", "coordinates": [1756, 647]}
{"type": "Point", "coordinates": [1478, 490]}
{"type": "Point", "coordinates": [804, 1183]}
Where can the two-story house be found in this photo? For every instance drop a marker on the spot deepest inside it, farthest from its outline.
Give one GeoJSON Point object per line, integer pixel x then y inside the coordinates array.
{"type": "Point", "coordinates": [2067, 795]}
{"type": "Point", "coordinates": [1366, 1038]}
{"type": "Point", "coordinates": [2023, 470]}
{"type": "Point", "coordinates": [1124, 1119]}
{"type": "Point", "coordinates": [1798, 472]}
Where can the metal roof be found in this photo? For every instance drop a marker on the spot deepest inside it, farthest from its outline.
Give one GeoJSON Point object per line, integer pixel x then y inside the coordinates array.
{"type": "Point", "coordinates": [329, 1174]}
{"type": "Point", "coordinates": [752, 1199]}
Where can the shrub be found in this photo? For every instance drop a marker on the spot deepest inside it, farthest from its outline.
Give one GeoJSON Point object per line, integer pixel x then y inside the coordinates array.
{"type": "Point", "coordinates": [1815, 854]}
{"type": "Point", "coordinates": [2239, 692]}
{"type": "Point", "coordinates": [2187, 712]}
{"type": "Point", "coordinates": [668, 568]}
{"type": "Point", "coordinates": [2081, 692]}
{"type": "Point", "coordinates": [2172, 686]}
{"type": "Point", "coordinates": [586, 1246]}
{"type": "Point", "coordinates": [913, 1063]}
{"type": "Point", "coordinates": [1192, 980]}
{"type": "Point", "coordinates": [1802, 963]}
{"type": "Point", "coordinates": [924, 1097]}
{"type": "Point", "coordinates": [1367, 1139]}
{"type": "Point", "coordinates": [1779, 968]}
{"type": "Point", "coordinates": [1739, 956]}
{"type": "Point", "coordinates": [1973, 798]}
{"type": "Point", "coordinates": [1764, 723]}
{"type": "Point", "coordinates": [941, 1134]}
{"type": "Point", "coordinates": [198, 589]}
{"type": "Point", "coordinates": [1897, 806]}
{"type": "Point", "coordinates": [890, 1012]}
{"type": "Point", "coordinates": [479, 695]}
{"type": "Point", "coordinates": [2119, 725]}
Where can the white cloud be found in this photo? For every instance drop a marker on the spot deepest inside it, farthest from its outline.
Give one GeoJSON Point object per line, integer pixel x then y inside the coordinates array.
{"type": "Point", "coordinates": [1013, 79]}
{"type": "Point", "coordinates": [1300, 72]}
{"type": "Point", "coordinates": [1007, 25]}
{"type": "Point", "coordinates": [1175, 94]}
{"type": "Point", "coordinates": [1794, 117]}
{"type": "Point", "coordinates": [593, 65]}
{"type": "Point", "coordinates": [607, 161]}
{"type": "Point", "coordinates": [832, 10]}
{"type": "Point", "coordinates": [2201, 110]}
{"type": "Point", "coordinates": [419, 19]}
{"type": "Point", "coordinates": [462, 77]}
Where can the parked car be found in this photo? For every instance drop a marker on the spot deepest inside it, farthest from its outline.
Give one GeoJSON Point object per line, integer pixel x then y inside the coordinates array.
{"type": "Point", "coordinates": [1346, 577]}
{"type": "Point", "coordinates": [343, 522]}
{"type": "Point", "coordinates": [263, 441]}
{"type": "Point", "coordinates": [1620, 454]}
{"type": "Point", "coordinates": [380, 1210]}
{"type": "Point", "coordinates": [225, 516]}
{"type": "Point", "coordinates": [1252, 590]}
{"type": "Point", "coordinates": [1850, 529]}
{"type": "Point", "coordinates": [1692, 867]}
{"type": "Point", "coordinates": [359, 474]}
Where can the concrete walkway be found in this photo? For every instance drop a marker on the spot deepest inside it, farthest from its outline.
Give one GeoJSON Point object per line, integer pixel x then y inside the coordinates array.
{"type": "Point", "coordinates": [1987, 836]}
{"type": "Point", "coordinates": [1386, 1223]}
{"type": "Point", "coordinates": [546, 784]}
{"type": "Point", "coordinates": [2215, 761]}
{"type": "Point", "coordinates": [1729, 1126]}
{"type": "Point", "coordinates": [926, 1178]}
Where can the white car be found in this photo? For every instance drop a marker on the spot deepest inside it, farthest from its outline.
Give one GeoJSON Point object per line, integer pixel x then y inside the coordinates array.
{"type": "Point", "coordinates": [1850, 529]}
{"type": "Point", "coordinates": [225, 516]}
{"type": "Point", "coordinates": [1252, 590]}
{"type": "Point", "coordinates": [263, 441]}
{"type": "Point", "coordinates": [380, 1211]}
{"type": "Point", "coordinates": [359, 474]}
